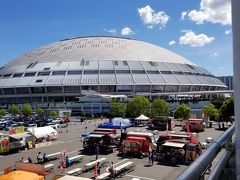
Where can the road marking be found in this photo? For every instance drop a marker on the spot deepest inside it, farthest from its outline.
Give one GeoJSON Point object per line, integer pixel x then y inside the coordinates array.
{"type": "Point", "coordinates": [121, 161]}
{"type": "Point", "coordinates": [139, 177]}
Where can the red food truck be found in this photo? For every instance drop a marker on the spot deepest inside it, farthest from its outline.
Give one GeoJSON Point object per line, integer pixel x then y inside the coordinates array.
{"type": "Point", "coordinates": [138, 143]}
{"type": "Point", "coordinates": [195, 125]}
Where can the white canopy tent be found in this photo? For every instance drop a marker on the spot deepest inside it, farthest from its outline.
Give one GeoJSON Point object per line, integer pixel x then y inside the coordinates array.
{"type": "Point", "coordinates": [39, 132]}
{"type": "Point", "coordinates": [142, 117]}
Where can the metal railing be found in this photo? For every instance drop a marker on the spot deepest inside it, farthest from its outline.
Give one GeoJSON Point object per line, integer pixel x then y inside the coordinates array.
{"type": "Point", "coordinates": [197, 169]}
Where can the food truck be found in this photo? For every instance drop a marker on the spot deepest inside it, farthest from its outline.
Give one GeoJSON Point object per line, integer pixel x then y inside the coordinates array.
{"type": "Point", "coordinates": [180, 147]}
{"type": "Point", "coordinates": [195, 125]}
{"type": "Point", "coordinates": [138, 143]}
{"type": "Point", "coordinates": [162, 123]}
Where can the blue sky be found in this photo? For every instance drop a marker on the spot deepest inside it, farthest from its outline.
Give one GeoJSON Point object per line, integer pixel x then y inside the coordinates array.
{"type": "Point", "coordinates": [199, 30]}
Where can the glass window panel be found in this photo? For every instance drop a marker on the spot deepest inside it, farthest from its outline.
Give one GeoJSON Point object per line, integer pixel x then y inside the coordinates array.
{"type": "Point", "coordinates": [22, 90]}
{"type": "Point", "coordinates": [71, 89]}
{"type": "Point", "coordinates": [107, 88]}
{"type": "Point", "coordinates": [171, 88]}
{"type": "Point", "coordinates": [9, 91]}
{"type": "Point", "coordinates": [158, 88]}
{"type": "Point", "coordinates": [74, 72]}
{"type": "Point", "coordinates": [37, 90]}
{"type": "Point", "coordinates": [56, 89]}
{"type": "Point", "coordinates": [142, 88]}
{"type": "Point", "coordinates": [58, 72]}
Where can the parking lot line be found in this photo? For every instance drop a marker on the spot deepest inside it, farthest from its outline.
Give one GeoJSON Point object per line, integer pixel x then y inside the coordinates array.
{"type": "Point", "coordinates": [120, 161]}
{"type": "Point", "coordinates": [140, 177]}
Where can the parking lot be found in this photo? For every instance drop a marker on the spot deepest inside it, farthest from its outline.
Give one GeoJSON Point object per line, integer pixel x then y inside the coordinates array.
{"type": "Point", "coordinates": [70, 141]}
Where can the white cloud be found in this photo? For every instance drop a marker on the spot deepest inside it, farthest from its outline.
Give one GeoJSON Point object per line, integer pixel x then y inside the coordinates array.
{"type": "Point", "coordinates": [194, 40]}
{"type": "Point", "coordinates": [186, 30]}
{"type": "Point", "coordinates": [171, 43]}
{"type": "Point", "coordinates": [184, 13]}
{"type": "Point", "coordinates": [112, 31]}
{"type": "Point", "coordinates": [214, 11]}
{"type": "Point", "coordinates": [126, 31]}
{"type": "Point", "coordinates": [152, 18]}
{"type": "Point", "coordinates": [214, 54]}
{"type": "Point", "coordinates": [228, 32]}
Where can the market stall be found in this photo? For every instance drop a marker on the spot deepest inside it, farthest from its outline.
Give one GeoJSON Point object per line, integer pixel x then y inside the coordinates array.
{"type": "Point", "coordinates": [44, 135]}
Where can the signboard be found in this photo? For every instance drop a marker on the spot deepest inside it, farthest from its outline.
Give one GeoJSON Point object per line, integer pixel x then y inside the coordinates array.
{"type": "Point", "coordinates": [20, 130]}
{"type": "Point", "coordinates": [4, 145]}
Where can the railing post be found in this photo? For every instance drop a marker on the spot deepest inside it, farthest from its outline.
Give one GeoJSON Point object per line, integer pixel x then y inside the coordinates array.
{"type": "Point", "coordinates": [236, 77]}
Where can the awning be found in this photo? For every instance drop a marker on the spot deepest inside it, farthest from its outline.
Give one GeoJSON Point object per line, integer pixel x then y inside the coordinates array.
{"type": "Point", "coordinates": [19, 136]}
{"type": "Point", "coordinates": [174, 144]}
{"type": "Point", "coordinates": [96, 135]}
{"type": "Point", "coordinates": [39, 132]}
{"type": "Point", "coordinates": [142, 117]}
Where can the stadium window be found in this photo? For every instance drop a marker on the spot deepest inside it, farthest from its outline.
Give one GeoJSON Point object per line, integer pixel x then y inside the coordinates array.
{"type": "Point", "coordinates": [91, 72]}
{"type": "Point", "coordinates": [106, 71]}
{"type": "Point", "coordinates": [138, 71]}
{"type": "Point", "coordinates": [115, 63]}
{"type": "Point", "coordinates": [58, 72]}
{"type": "Point", "coordinates": [152, 72]}
{"type": "Point", "coordinates": [125, 63]}
{"type": "Point", "coordinates": [44, 73]}
{"type": "Point", "coordinates": [22, 90]}
{"type": "Point", "coordinates": [166, 72]}
{"type": "Point", "coordinates": [17, 75]}
{"type": "Point", "coordinates": [46, 69]}
{"type": "Point", "coordinates": [29, 74]}
{"type": "Point", "coordinates": [123, 71]}
{"type": "Point", "coordinates": [8, 91]}
{"type": "Point", "coordinates": [74, 72]}
{"type": "Point", "coordinates": [7, 75]}
{"type": "Point", "coordinates": [87, 63]}
{"type": "Point", "coordinates": [82, 62]}
{"type": "Point", "coordinates": [151, 63]}
{"type": "Point", "coordinates": [178, 72]}
{"type": "Point", "coordinates": [38, 80]}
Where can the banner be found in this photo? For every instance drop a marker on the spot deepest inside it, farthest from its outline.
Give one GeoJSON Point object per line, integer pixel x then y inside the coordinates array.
{"type": "Point", "coordinates": [20, 130]}
{"type": "Point", "coordinates": [4, 145]}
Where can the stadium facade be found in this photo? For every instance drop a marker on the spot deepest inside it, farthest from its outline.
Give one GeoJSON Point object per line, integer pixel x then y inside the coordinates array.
{"type": "Point", "coordinates": [62, 71]}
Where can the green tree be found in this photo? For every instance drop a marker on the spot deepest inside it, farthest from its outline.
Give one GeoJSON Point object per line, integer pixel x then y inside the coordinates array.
{"type": "Point", "coordinates": [210, 111]}
{"type": "Point", "coordinates": [227, 109]}
{"type": "Point", "coordinates": [182, 111]}
{"type": "Point", "coordinates": [159, 107]}
{"type": "Point", "coordinates": [137, 106]}
{"type": "Point", "coordinates": [118, 109]}
{"type": "Point", "coordinates": [53, 114]}
{"type": "Point", "coordinates": [218, 102]}
{"type": "Point", "coordinates": [39, 111]}
{"type": "Point", "coordinates": [26, 109]}
{"type": "Point", "coordinates": [2, 112]}
{"type": "Point", "coordinates": [13, 109]}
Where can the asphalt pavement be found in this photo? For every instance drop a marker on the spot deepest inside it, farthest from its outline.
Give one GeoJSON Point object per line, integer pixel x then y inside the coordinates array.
{"type": "Point", "coordinates": [70, 141]}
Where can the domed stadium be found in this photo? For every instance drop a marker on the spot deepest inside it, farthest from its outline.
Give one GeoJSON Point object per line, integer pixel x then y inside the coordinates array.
{"type": "Point", "coordinates": [64, 70]}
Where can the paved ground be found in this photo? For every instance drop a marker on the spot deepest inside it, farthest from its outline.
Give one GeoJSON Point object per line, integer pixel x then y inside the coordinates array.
{"type": "Point", "coordinates": [71, 142]}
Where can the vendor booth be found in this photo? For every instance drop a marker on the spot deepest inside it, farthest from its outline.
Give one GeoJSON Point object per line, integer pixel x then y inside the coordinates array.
{"type": "Point", "coordinates": [142, 120]}
{"type": "Point", "coordinates": [117, 123]}
{"type": "Point", "coordinates": [44, 135]}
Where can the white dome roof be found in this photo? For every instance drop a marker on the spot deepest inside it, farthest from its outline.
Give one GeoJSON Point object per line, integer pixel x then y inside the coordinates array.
{"type": "Point", "coordinates": [99, 48]}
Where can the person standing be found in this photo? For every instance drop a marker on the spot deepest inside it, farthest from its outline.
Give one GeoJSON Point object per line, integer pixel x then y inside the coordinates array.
{"type": "Point", "coordinates": [111, 170]}
{"type": "Point", "coordinates": [29, 160]}
{"type": "Point", "coordinates": [97, 152]}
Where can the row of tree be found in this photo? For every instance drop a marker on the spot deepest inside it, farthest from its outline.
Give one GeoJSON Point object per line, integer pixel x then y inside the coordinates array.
{"type": "Point", "coordinates": [26, 111]}
{"type": "Point", "coordinates": [140, 105]}
{"type": "Point", "coordinates": [219, 109]}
